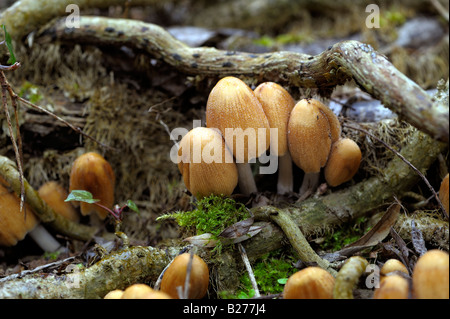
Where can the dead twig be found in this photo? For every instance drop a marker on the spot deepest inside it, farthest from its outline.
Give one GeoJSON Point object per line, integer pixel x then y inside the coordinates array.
{"type": "Point", "coordinates": [418, 172]}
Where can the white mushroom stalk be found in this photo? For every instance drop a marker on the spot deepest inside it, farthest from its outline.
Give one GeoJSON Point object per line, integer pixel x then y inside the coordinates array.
{"type": "Point", "coordinates": [44, 239]}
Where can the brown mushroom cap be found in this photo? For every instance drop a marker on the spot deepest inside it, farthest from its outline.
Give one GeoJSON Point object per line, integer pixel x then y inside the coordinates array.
{"type": "Point", "coordinates": [392, 287]}
{"type": "Point", "coordinates": [54, 195]}
{"type": "Point", "coordinates": [443, 193]}
{"type": "Point", "coordinates": [335, 126]}
{"type": "Point", "coordinates": [200, 177]}
{"type": "Point", "coordinates": [92, 173]}
{"type": "Point", "coordinates": [136, 291]}
{"type": "Point", "coordinates": [309, 283]}
{"type": "Point", "coordinates": [14, 224]}
{"type": "Point", "coordinates": [233, 105]}
{"type": "Point", "coordinates": [175, 275]}
{"type": "Point", "coordinates": [343, 162]}
{"type": "Point", "coordinates": [309, 138]}
{"type": "Point", "coordinates": [430, 275]}
{"type": "Point", "coordinates": [277, 104]}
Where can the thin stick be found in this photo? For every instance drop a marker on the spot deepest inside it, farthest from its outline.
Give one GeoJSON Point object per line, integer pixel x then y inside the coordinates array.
{"type": "Point", "coordinates": [249, 270]}
{"type": "Point", "coordinates": [17, 147]}
{"type": "Point", "coordinates": [185, 293]}
{"type": "Point", "coordinates": [418, 172]}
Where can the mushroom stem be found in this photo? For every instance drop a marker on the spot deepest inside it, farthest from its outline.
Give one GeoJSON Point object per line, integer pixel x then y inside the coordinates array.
{"type": "Point", "coordinates": [44, 239]}
{"type": "Point", "coordinates": [285, 179]}
{"type": "Point", "coordinates": [310, 183]}
{"type": "Point", "coordinates": [247, 183]}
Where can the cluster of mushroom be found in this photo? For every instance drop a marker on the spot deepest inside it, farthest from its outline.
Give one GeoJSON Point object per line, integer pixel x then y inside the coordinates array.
{"type": "Point", "coordinates": [307, 133]}
{"type": "Point", "coordinates": [90, 172]}
{"type": "Point", "coordinates": [429, 280]}
{"type": "Point", "coordinates": [173, 282]}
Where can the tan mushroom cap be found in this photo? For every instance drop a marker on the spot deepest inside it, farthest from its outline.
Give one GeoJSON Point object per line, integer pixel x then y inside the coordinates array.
{"type": "Point", "coordinates": [233, 105]}
{"type": "Point", "coordinates": [203, 173]}
{"type": "Point", "coordinates": [92, 173]}
{"type": "Point", "coordinates": [443, 192]}
{"type": "Point", "coordinates": [309, 283]}
{"type": "Point", "coordinates": [343, 162]}
{"type": "Point", "coordinates": [335, 126]}
{"type": "Point", "coordinates": [136, 291]}
{"type": "Point", "coordinates": [392, 287]}
{"type": "Point", "coordinates": [54, 195]}
{"type": "Point", "coordinates": [175, 276]}
{"type": "Point", "coordinates": [430, 275]}
{"type": "Point", "coordinates": [309, 138]}
{"type": "Point", "coordinates": [14, 224]}
{"type": "Point", "coordinates": [277, 104]}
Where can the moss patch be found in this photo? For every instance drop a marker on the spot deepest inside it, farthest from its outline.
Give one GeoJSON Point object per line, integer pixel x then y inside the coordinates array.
{"type": "Point", "coordinates": [212, 215]}
{"type": "Point", "coordinates": [271, 272]}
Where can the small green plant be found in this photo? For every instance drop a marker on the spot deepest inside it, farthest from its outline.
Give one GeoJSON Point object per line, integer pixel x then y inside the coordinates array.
{"type": "Point", "coordinates": [8, 43]}
{"type": "Point", "coordinates": [86, 197]}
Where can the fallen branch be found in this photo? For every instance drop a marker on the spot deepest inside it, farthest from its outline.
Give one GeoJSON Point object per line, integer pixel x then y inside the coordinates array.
{"type": "Point", "coordinates": [340, 63]}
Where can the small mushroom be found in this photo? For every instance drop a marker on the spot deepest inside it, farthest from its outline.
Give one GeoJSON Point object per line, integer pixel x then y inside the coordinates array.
{"type": "Point", "coordinates": [54, 195]}
{"type": "Point", "coordinates": [309, 283]}
{"type": "Point", "coordinates": [430, 275]}
{"type": "Point", "coordinates": [443, 192]}
{"type": "Point", "coordinates": [206, 163]}
{"type": "Point", "coordinates": [114, 294]}
{"type": "Point", "coordinates": [392, 287]}
{"type": "Point", "coordinates": [16, 224]}
{"type": "Point", "coordinates": [92, 173]}
{"type": "Point", "coordinates": [174, 277]}
{"type": "Point", "coordinates": [234, 109]}
{"type": "Point", "coordinates": [278, 104]}
{"type": "Point", "coordinates": [343, 162]}
{"type": "Point", "coordinates": [136, 291]}
{"type": "Point", "coordinates": [309, 141]}
{"type": "Point", "coordinates": [392, 265]}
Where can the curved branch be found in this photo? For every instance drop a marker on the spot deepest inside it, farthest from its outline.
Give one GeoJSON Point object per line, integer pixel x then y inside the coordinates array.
{"type": "Point", "coordinates": [341, 62]}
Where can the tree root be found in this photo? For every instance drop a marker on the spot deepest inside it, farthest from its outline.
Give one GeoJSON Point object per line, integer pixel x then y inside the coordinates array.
{"type": "Point", "coordinates": [342, 62]}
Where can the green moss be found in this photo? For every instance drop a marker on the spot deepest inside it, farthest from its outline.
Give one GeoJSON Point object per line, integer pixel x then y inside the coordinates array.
{"type": "Point", "coordinates": [271, 272]}
{"type": "Point", "coordinates": [30, 92]}
{"type": "Point", "coordinates": [345, 235]}
{"type": "Point", "coordinates": [212, 215]}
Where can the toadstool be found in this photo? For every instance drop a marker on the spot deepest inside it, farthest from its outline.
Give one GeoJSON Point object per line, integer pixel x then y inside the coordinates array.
{"type": "Point", "coordinates": [234, 109]}
{"type": "Point", "coordinates": [443, 192]}
{"type": "Point", "coordinates": [54, 195]}
{"type": "Point", "coordinates": [136, 291]}
{"type": "Point", "coordinates": [392, 287]}
{"type": "Point", "coordinates": [343, 162]}
{"type": "Point", "coordinates": [430, 275]}
{"type": "Point", "coordinates": [206, 163]}
{"type": "Point", "coordinates": [309, 283]}
{"type": "Point", "coordinates": [175, 276]}
{"type": "Point", "coordinates": [277, 104]}
{"type": "Point", "coordinates": [392, 265]}
{"type": "Point", "coordinates": [92, 173]}
{"type": "Point", "coordinates": [309, 141]}
{"type": "Point", "coordinates": [15, 224]}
